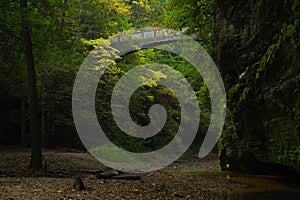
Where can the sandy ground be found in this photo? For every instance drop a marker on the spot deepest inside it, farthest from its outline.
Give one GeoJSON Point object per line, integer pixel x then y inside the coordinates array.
{"type": "Point", "coordinates": [189, 178]}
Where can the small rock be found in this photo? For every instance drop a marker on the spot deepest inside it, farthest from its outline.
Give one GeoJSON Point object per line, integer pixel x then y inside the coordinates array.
{"type": "Point", "coordinates": [78, 184]}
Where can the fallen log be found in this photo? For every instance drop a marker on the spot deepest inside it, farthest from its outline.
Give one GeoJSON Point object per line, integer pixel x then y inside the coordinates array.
{"type": "Point", "coordinates": [127, 177]}
{"type": "Point", "coordinates": [116, 175]}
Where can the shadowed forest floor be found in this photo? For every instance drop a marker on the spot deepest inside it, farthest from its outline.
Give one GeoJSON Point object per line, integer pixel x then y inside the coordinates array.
{"type": "Point", "coordinates": [188, 178]}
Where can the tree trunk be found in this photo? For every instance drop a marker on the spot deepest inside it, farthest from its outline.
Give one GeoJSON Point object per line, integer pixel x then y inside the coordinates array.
{"type": "Point", "coordinates": [35, 131]}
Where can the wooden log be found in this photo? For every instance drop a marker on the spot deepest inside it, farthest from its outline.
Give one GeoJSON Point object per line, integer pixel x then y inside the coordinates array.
{"type": "Point", "coordinates": [127, 177]}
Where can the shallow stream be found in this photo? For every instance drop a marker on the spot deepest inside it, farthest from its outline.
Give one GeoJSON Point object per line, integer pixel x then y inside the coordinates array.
{"type": "Point", "coordinates": [260, 188]}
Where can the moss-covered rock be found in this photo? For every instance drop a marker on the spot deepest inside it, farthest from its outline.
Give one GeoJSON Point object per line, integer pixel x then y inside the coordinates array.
{"type": "Point", "coordinates": [258, 51]}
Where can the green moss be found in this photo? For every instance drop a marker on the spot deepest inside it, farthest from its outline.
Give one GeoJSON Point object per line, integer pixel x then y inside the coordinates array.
{"type": "Point", "coordinates": [230, 141]}
{"type": "Point", "coordinates": [233, 90]}
{"type": "Point", "coordinates": [290, 156]}
{"type": "Point", "coordinates": [244, 94]}
{"type": "Point", "coordinates": [288, 32]}
{"type": "Point", "coordinates": [269, 134]}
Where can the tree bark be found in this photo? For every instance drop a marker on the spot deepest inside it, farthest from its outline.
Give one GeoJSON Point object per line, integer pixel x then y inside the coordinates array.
{"type": "Point", "coordinates": [35, 131]}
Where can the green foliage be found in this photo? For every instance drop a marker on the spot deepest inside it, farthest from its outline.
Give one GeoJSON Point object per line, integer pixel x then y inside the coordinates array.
{"type": "Point", "coordinates": [276, 140]}
{"type": "Point", "coordinates": [244, 94]}
{"type": "Point", "coordinates": [102, 18]}
{"type": "Point", "coordinates": [230, 140]}
{"type": "Point", "coordinates": [193, 16]}
{"type": "Point", "coordinates": [146, 13]}
{"type": "Point", "coordinates": [140, 102]}
{"type": "Point", "coordinates": [63, 34]}
{"type": "Point", "coordinates": [146, 96]}
{"type": "Point", "coordinates": [288, 33]}
{"type": "Point", "coordinates": [284, 155]}
{"type": "Point", "coordinates": [10, 43]}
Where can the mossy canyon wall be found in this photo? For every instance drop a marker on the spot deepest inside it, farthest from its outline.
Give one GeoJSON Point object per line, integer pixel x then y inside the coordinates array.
{"type": "Point", "coordinates": [258, 52]}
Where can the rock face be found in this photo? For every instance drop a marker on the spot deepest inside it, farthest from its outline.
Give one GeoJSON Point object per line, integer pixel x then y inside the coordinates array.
{"type": "Point", "coordinates": [258, 51]}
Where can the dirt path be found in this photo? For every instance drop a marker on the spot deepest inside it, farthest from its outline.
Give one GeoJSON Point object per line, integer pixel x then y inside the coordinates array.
{"type": "Point", "coordinates": [189, 178]}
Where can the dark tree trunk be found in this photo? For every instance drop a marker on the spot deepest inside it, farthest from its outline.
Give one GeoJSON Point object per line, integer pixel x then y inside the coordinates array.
{"type": "Point", "coordinates": [35, 131]}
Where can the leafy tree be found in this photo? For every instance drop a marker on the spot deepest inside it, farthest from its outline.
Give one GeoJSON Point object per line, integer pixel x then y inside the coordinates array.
{"type": "Point", "coordinates": [145, 97]}
{"type": "Point", "coordinates": [101, 18]}
{"type": "Point", "coordinates": [35, 131]}
{"type": "Point", "coordinates": [146, 13]}
{"type": "Point", "coordinates": [52, 32]}
{"type": "Point", "coordinates": [194, 17]}
{"type": "Point", "coordinates": [11, 46]}
{"type": "Point", "coordinates": [60, 54]}
{"type": "Point", "coordinates": [63, 32]}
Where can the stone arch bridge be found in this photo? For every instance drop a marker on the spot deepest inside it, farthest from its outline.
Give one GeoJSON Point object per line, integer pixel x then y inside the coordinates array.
{"type": "Point", "coordinates": [132, 41]}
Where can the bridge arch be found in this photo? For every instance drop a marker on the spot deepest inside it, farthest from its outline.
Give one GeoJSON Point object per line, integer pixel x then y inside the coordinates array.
{"type": "Point", "coordinates": [127, 43]}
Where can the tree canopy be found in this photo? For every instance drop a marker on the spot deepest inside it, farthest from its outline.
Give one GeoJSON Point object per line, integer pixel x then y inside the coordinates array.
{"type": "Point", "coordinates": [63, 32]}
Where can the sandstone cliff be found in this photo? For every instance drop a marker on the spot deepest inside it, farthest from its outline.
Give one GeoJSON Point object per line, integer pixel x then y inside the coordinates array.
{"type": "Point", "coordinates": [258, 52]}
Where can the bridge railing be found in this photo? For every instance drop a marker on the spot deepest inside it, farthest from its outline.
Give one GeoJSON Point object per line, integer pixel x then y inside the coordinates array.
{"type": "Point", "coordinates": [148, 35]}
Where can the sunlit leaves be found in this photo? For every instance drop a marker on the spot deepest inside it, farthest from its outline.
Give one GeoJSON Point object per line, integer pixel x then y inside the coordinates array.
{"type": "Point", "coordinates": [146, 13]}
{"type": "Point", "coordinates": [193, 17]}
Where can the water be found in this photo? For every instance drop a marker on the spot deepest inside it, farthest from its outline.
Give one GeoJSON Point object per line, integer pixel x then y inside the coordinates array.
{"type": "Point", "coordinates": [261, 188]}
{"type": "Point", "coordinates": [271, 195]}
